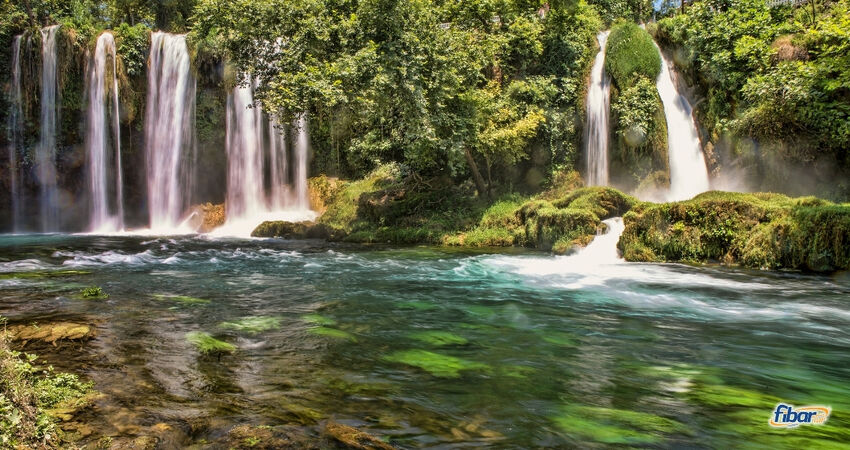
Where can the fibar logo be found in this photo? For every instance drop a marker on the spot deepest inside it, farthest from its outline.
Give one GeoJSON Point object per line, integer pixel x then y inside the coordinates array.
{"type": "Point", "coordinates": [785, 416]}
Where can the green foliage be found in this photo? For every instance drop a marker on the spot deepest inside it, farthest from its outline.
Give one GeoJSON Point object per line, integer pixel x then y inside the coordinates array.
{"type": "Point", "coordinates": [28, 396]}
{"type": "Point", "coordinates": [132, 43]}
{"type": "Point", "coordinates": [755, 230]}
{"type": "Point", "coordinates": [631, 53]}
{"type": "Point", "coordinates": [770, 74]}
{"type": "Point", "coordinates": [208, 345]}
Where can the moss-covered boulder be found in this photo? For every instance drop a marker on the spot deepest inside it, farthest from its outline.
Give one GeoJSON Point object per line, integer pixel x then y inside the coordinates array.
{"type": "Point", "coordinates": [351, 437]}
{"type": "Point", "coordinates": [758, 230]}
{"type": "Point", "coordinates": [51, 332]}
{"type": "Point", "coordinates": [293, 230]}
{"type": "Point", "coordinates": [559, 223]}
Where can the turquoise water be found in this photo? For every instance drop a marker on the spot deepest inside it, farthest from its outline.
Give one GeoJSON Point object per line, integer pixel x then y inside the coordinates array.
{"type": "Point", "coordinates": [433, 347]}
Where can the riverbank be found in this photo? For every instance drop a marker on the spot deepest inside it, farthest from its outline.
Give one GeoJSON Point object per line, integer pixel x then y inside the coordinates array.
{"type": "Point", "coordinates": [756, 230]}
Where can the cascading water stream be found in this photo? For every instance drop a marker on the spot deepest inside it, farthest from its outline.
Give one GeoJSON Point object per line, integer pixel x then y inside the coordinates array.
{"type": "Point", "coordinates": [169, 130]}
{"type": "Point", "coordinates": [688, 173]}
{"type": "Point", "coordinates": [101, 216]}
{"type": "Point", "coordinates": [255, 139]}
{"type": "Point", "coordinates": [596, 134]}
{"type": "Point", "coordinates": [302, 147]}
{"type": "Point", "coordinates": [46, 151]}
{"type": "Point", "coordinates": [15, 131]}
{"type": "Point", "coordinates": [245, 194]}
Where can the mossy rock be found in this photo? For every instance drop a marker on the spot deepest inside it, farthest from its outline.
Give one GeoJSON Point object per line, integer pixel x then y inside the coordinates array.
{"type": "Point", "coordinates": [293, 230]}
{"type": "Point", "coordinates": [208, 345]}
{"type": "Point", "coordinates": [760, 230]}
{"type": "Point", "coordinates": [92, 293]}
{"type": "Point", "coordinates": [351, 437]}
{"type": "Point", "coordinates": [436, 364]}
{"type": "Point", "coordinates": [51, 332]}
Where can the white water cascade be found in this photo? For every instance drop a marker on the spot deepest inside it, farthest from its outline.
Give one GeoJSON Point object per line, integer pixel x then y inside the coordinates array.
{"type": "Point", "coordinates": [46, 151]}
{"type": "Point", "coordinates": [104, 160]}
{"type": "Point", "coordinates": [256, 148]}
{"type": "Point", "coordinates": [688, 173]}
{"type": "Point", "coordinates": [245, 193]}
{"type": "Point", "coordinates": [169, 130]}
{"type": "Point", "coordinates": [15, 131]}
{"type": "Point", "coordinates": [596, 133]}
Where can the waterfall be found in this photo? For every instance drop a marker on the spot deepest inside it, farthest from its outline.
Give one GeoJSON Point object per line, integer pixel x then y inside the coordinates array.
{"type": "Point", "coordinates": [97, 141]}
{"type": "Point", "coordinates": [169, 130]}
{"type": "Point", "coordinates": [279, 195]}
{"type": "Point", "coordinates": [596, 134]}
{"type": "Point", "coordinates": [256, 149]}
{"type": "Point", "coordinates": [688, 173]}
{"type": "Point", "coordinates": [302, 147]}
{"type": "Point", "coordinates": [245, 195]}
{"type": "Point", "coordinates": [15, 131]}
{"type": "Point", "coordinates": [46, 151]}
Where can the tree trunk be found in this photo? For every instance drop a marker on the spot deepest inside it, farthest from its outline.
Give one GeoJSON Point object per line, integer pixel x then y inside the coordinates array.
{"type": "Point", "coordinates": [476, 175]}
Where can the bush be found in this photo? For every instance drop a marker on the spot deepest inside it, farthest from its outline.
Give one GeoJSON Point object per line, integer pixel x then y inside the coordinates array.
{"type": "Point", "coordinates": [631, 53]}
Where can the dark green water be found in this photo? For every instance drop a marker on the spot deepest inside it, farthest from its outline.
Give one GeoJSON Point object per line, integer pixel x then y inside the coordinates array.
{"type": "Point", "coordinates": [429, 347]}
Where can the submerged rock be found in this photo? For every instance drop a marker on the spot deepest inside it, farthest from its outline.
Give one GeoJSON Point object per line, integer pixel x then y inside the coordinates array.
{"type": "Point", "coordinates": [51, 333]}
{"type": "Point", "coordinates": [353, 438]}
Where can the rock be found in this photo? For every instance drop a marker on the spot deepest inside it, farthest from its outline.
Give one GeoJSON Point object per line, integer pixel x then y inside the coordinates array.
{"type": "Point", "coordinates": [353, 438]}
{"type": "Point", "coordinates": [51, 333]}
{"type": "Point", "coordinates": [207, 217]}
{"type": "Point", "coordinates": [293, 230]}
{"type": "Point", "coordinates": [264, 437]}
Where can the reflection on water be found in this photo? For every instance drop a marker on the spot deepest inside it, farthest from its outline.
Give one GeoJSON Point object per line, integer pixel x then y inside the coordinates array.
{"type": "Point", "coordinates": [433, 347]}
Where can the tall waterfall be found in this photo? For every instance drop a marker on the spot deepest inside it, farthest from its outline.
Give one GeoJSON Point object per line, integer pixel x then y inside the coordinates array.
{"type": "Point", "coordinates": [258, 167]}
{"type": "Point", "coordinates": [245, 193]}
{"type": "Point", "coordinates": [46, 151]}
{"type": "Point", "coordinates": [104, 215]}
{"type": "Point", "coordinates": [596, 134]}
{"type": "Point", "coordinates": [302, 148]}
{"type": "Point", "coordinates": [15, 131]}
{"type": "Point", "coordinates": [169, 130]}
{"type": "Point", "coordinates": [688, 173]}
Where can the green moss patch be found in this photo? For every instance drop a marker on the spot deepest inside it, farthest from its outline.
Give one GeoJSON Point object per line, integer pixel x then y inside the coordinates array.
{"type": "Point", "coordinates": [208, 345]}
{"type": "Point", "coordinates": [42, 274]}
{"type": "Point", "coordinates": [333, 333]}
{"type": "Point", "coordinates": [436, 364]}
{"type": "Point", "coordinates": [93, 293]}
{"type": "Point", "coordinates": [615, 426]}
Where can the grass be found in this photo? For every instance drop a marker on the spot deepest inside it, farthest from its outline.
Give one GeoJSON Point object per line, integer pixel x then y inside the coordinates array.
{"type": "Point", "coordinates": [32, 399]}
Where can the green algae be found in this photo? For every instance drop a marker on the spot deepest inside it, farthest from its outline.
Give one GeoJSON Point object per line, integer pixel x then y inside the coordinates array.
{"type": "Point", "coordinates": [560, 339]}
{"type": "Point", "coordinates": [333, 333]}
{"type": "Point", "coordinates": [439, 338]}
{"type": "Point", "coordinates": [616, 426]}
{"type": "Point", "coordinates": [208, 345]}
{"type": "Point", "coordinates": [252, 325]}
{"type": "Point", "coordinates": [42, 274]}
{"type": "Point", "coordinates": [318, 319]}
{"type": "Point", "coordinates": [93, 293]}
{"type": "Point", "coordinates": [436, 364]}
{"type": "Point", "coordinates": [519, 372]}
{"type": "Point", "coordinates": [184, 299]}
